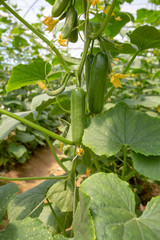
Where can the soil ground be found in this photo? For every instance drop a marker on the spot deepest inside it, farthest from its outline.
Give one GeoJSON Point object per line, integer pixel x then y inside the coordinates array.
{"type": "Point", "coordinates": [41, 164]}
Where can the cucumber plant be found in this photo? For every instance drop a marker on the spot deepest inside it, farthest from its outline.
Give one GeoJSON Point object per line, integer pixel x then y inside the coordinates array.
{"type": "Point", "coordinates": [103, 136]}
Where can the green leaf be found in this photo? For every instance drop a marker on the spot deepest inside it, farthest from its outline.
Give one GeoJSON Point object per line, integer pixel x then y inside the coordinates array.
{"type": "Point", "coordinates": [54, 76]}
{"type": "Point", "coordinates": [17, 150]}
{"type": "Point", "coordinates": [114, 26]}
{"type": "Point", "coordinates": [60, 106]}
{"type": "Point", "coordinates": [118, 47]}
{"type": "Point", "coordinates": [26, 229]}
{"type": "Point", "coordinates": [83, 226]}
{"type": "Point", "coordinates": [63, 199]}
{"type": "Point", "coordinates": [147, 15]}
{"type": "Point", "coordinates": [69, 60]}
{"type": "Point", "coordinates": [50, 222]}
{"type": "Point", "coordinates": [27, 74]}
{"type": "Point", "coordinates": [40, 102]}
{"type": "Point", "coordinates": [7, 193]}
{"type": "Point", "coordinates": [145, 101]}
{"type": "Point", "coordinates": [19, 42]}
{"type": "Point", "coordinates": [8, 123]}
{"type": "Point", "coordinates": [17, 30]}
{"type": "Point", "coordinates": [113, 210]}
{"type": "Point", "coordinates": [149, 166]}
{"type": "Point", "coordinates": [108, 132]}
{"type": "Point", "coordinates": [145, 37]}
{"type": "Point", "coordinates": [24, 137]}
{"type": "Point", "coordinates": [31, 200]}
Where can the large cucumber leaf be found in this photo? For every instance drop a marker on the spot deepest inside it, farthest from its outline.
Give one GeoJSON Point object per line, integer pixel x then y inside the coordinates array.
{"type": "Point", "coordinates": [27, 74]}
{"type": "Point", "coordinates": [149, 166]}
{"type": "Point", "coordinates": [145, 37]}
{"type": "Point", "coordinates": [26, 229]}
{"type": "Point", "coordinates": [7, 193]}
{"type": "Point", "coordinates": [113, 210]}
{"type": "Point", "coordinates": [30, 202]}
{"type": "Point", "coordinates": [108, 132]}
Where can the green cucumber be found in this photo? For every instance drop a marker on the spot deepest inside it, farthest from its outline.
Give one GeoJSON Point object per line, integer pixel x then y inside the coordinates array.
{"type": "Point", "coordinates": [88, 64]}
{"type": "Point", "coordinates": [73, 36]}
{"type": "Point", "coordinates": [77, 115]}
{"type": "Point", "coordinates": [97, 82]}
{"type": "Point", "coordinates": [58, 7]}
{"type": "Point", "coordinates": [69, 23]}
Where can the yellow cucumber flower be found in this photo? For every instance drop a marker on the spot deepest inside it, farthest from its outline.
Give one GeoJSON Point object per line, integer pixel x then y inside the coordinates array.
{"type": "Point", "coordinates": [62, 42]}
{"type": "Point", "coordinates": [94, 2]}
{"type": "Point", "coordinates": [158, 109]}
{"type": "Point", "coordinates": [118, 18]}
{"type": "Point", "coordinates": [80, 151]}
{"type": "Point", "coordinates": [41, 85]}
{"type": "Point", "coordinates": [115, 79]}
{"type": "Point", "coordinates": [50, 23]}
{"type": "Point", "coordinates": [61, 146]}
{"type": "Point", "coordinates": [88, 172]}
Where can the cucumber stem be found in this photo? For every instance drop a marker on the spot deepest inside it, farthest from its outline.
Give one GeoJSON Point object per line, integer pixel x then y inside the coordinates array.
{"type": "Point", "coordinates": [105, 22]}
{"type": "Point", "coordinates": [37, 127]}
{"type": "Point", "coordinates": [32, 178]}
{"type": "Point", "coordinates": [55, 215]}
{"type": "Point", "coordinates": [124, 162]}
{"type": "Point", "coordinates": [55, 155]}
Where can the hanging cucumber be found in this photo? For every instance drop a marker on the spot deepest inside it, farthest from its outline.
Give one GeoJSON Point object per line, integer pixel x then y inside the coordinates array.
{"type": "Point", "coordinates": [88, 64]}
{"type": "Point", "coordinates": [77, 115]}
{"type": "Point", "coordinates": [73, 37]}
{"type": "Point", "coordinates": [97, 82]}
{"type": "Point", "coordinates": [58, 7]}
{"type": "Point", "coordinates": [71, 16]}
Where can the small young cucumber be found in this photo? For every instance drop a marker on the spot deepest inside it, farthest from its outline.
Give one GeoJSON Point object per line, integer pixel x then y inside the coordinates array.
{"type": "Point", "coordinates": [69, 23]}
{"type": "Point", "coordinates": [88, 64]}
{"type": "Point", "coordinates": [58, 7]}
{"type": "Point", "coordinates": [73, 36]}
{"type": "Point", "coordinates": [97, 82]}
{"type": "Point", "coordinates": [77, 115]}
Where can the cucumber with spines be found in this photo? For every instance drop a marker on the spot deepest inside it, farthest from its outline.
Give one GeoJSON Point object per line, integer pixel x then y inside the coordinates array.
{"type": "Point", "coordinates": [73, 37]}
{"type": "Point", "coordinates": [71, 15]}
{"type": "Point", "coordinates": [77, 115]}
{"type": "Point", "coordinates": [59, 7]}
{"type": "Point", "coordinates": [97, 82]}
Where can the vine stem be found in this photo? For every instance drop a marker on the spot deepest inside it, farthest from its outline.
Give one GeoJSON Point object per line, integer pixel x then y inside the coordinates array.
{"type": "Point", "coordinates": [123, 72]}
{"type": "Point", "coordinates": [96, 163]}
{"type": "Point", "coordinates": [32, 178]}
{"type": "Point", "coordinates": [55, 215]}
{"type": "Point", "coordinates": [55, 155]}
{"type": "Point", "coordinates": [130, 175]}
{"type": "Point", "coordinates": [80, 69]}
{"type": "Point", "coordinates": [37, 127]}
{"type": "Point", "coordinates": [124, 162]}
{"type": "Point", "coordinates": [105, 22]}
{"type": "Point", "coordinates": [130, 62]}
{"type": "Point", "coordinates": [50, 44]}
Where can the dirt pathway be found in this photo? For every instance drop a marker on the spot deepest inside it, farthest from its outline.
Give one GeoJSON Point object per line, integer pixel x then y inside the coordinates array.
{"type": "Point", "coordinates": [41, 164]}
